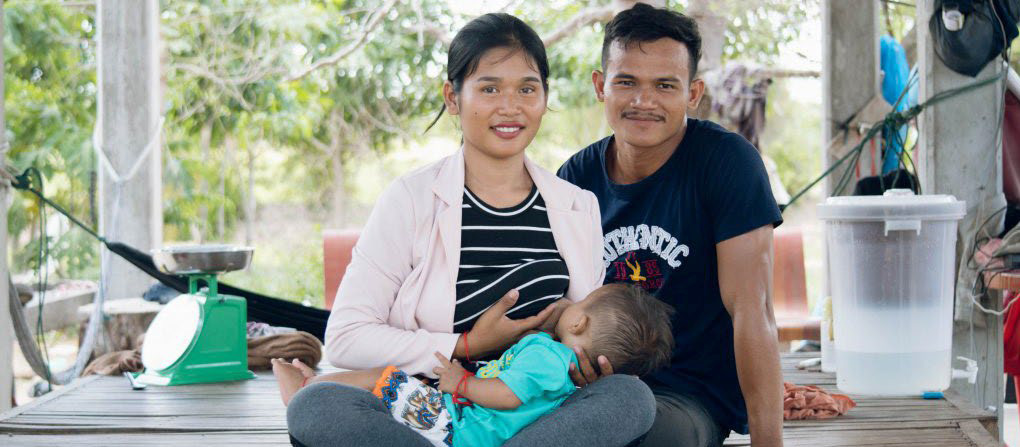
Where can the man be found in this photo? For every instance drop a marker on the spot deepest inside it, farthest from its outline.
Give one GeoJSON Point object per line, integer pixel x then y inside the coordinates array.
{"type": "Point", "coordinates": [687, 214]}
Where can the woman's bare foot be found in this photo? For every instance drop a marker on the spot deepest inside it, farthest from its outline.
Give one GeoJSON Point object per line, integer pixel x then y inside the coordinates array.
{"type": "Point", "coordinates": [306, 370]}
{"type": "Point", "coordinates": [290, 377]}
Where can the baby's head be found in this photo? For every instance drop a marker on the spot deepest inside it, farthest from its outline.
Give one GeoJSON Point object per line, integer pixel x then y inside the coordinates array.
{"type": "Point", "coordinates": [622, 322]}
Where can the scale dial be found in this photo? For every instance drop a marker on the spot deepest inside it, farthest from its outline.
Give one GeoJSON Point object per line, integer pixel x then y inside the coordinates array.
{"type": "Point", "coordinates": [172, 332]}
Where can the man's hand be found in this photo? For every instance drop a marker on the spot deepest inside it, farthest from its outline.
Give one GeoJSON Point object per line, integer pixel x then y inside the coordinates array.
{"type": "Point", "coordinates": [449, 373]}
{"type": "Point", "coordinates": [493, 332]}
{"type": "Point", "coordinates": [586, 374]}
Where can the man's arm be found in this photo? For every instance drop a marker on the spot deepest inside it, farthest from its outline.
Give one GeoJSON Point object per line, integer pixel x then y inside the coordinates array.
{"type": "Point", "coordinates": [745, 283]}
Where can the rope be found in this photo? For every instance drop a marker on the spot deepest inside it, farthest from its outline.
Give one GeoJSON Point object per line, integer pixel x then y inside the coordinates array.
{"type": "Point", "coordinates": [29, 347]}
{"type": "Point", "coordinates": [894, 120]}
{"type": "Point", "coordinates": [97, 144]}
{"type": "Point", "coordinates": [31, 180]}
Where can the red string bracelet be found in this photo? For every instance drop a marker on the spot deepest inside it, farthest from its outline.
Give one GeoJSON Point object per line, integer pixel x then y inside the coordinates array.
{"type": "Point", "coordinates": [457, 397]}
{"type": "Point", "coordinates": [467, 349]}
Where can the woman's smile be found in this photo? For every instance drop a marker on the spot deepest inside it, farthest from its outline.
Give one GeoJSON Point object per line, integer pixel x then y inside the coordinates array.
{"type": "Point", "coordinates": [508, 131]}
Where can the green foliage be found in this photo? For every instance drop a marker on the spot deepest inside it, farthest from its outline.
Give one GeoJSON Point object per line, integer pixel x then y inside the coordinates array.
{"type": "Point", "coordinates": [233, 118]}
{"type": "Point", "coordinates": [756, 29]}
{"type": "Point", "coordinates": [285, 269]}
{"type": "Point", "coordinates": [792, 138]}
{"type": "Point", "coordinates": [49, 94]}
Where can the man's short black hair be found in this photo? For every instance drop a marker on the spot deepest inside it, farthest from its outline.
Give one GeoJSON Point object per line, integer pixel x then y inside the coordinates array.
{"type": "Point", "coordinates": [644, 23]}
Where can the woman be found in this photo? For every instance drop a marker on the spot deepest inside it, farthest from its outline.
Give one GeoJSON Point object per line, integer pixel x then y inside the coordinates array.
{"type": "Point", "coordinates": [444, 245]}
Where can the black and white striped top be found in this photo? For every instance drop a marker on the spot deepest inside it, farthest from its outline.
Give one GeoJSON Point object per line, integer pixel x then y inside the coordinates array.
{"type": "Point", "coordinates": [503, 249]}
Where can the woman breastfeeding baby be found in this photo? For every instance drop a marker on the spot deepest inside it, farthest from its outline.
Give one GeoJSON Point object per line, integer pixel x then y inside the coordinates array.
{"type": "Point", "coordinates": [482, 256]}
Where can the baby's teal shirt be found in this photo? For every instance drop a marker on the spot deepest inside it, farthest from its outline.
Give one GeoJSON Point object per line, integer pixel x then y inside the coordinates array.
{"type": "Point", "coordinates": [536, 369]}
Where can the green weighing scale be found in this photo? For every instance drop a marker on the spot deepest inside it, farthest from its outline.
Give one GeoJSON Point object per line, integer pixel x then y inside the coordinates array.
{"type": "Point", "coordinates": [201, 336]}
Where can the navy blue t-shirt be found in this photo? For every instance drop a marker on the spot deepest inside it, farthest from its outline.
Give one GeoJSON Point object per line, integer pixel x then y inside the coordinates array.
{"type": "Point", "coordinates": [660, 233]}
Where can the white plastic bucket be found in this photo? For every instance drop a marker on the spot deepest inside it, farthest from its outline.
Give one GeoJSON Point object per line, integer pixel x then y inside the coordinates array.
{"type": "Point", "coordinates": [891, 276]}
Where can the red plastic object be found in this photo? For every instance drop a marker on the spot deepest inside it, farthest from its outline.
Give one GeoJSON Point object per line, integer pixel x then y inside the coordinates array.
{"type": "Point", "coordinates": [337, 246]}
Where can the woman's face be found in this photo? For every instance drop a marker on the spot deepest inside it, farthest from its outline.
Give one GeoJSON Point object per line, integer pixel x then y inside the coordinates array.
{"type": "Point", "coordinates": [500, 105]}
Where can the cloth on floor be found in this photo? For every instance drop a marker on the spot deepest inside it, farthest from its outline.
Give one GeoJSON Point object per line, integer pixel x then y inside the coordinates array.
{"type": "Point", "coordinates": [811, 402]}
{"type": "Point", "coordinates": [291, 345]}
{"type": "Point", "coordinates": [256, 329]}
{"type": "Point", "coordinates": [115, 363]}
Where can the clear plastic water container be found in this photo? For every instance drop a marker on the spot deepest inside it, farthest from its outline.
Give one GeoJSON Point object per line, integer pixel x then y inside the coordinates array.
{"type": "Point", "coordinates": [891, 271]}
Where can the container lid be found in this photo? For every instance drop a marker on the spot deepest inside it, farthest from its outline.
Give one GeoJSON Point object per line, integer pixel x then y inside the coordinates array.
{"type": "Point", "coordinates": [895, 204]}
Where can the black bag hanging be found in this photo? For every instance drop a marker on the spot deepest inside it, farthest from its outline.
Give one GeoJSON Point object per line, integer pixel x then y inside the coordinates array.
{"type": "Point", "coordinates": [988, 27]}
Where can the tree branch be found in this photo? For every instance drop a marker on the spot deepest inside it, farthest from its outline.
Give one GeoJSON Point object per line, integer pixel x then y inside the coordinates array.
{"type": "Point", "coordinates": [583, 18]}
{"type": "Point", "coordinates": [784, 73]}
{"type": "Point", "coordinates": [373, 22]}
{"type": "Point", "coordinates": [438, 33]}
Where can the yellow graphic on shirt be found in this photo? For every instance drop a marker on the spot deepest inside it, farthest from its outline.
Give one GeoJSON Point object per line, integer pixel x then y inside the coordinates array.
{"type": "Point", "coordinates": [635, 269]}
{"type": "Point", "coordinates": [493, 368]}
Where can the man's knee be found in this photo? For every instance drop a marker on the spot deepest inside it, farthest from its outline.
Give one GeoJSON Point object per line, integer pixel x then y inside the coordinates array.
{"type": "Point", "coordinates": [323, 411]}
{"type": "Point", "coordinates": [681, 421]}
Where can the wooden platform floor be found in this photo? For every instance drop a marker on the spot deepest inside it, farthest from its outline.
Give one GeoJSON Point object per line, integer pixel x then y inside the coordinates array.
{"type": "Point", "coordinates": [104, 411]}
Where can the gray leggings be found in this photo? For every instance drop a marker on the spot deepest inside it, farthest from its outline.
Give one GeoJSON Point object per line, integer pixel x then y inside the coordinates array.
{"type": "Point", "coordinates": [610, 412]}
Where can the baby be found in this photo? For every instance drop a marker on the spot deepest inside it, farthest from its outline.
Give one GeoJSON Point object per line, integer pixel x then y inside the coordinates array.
{"type": "Point", "coordinates": [624, 323]}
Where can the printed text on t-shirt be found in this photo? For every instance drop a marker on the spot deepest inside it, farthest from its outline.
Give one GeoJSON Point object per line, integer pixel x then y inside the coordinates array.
{"type": "Point", "coordinates": [642, 237]}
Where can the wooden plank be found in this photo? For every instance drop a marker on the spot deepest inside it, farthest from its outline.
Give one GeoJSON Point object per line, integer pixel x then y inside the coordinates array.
{"type": "Point", "coordinates": [145, 439]}
{"type": "Point", "coordinates": [978, 434]}
{"type": "Point", "coordinates": [21, 409]}
{"type": "Point", "coordinates": [105, 411]}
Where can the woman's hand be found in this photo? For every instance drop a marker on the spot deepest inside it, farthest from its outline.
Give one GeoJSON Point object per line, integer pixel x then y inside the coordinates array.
{"type": "Point", "coordinates": [549, 326]}
{"type": "Point", "coordinates": [449, 372]}
{"type": "Point", "coordinates": [494, 331]}
{"type": "Point", "coordinates": [586, 374]}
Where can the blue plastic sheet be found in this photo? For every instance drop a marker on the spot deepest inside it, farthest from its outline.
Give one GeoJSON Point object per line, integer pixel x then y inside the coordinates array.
{"type": "Point", "coordinates": [897, 76]}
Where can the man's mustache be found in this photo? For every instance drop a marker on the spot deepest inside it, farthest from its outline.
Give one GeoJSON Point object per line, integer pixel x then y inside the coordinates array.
{"type": "Point", "coordinates": [642, 116]}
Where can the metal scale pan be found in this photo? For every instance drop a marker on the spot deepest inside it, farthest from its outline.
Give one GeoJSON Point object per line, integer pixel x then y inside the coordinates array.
{"type": "Point", "coordinates": [192, 259]}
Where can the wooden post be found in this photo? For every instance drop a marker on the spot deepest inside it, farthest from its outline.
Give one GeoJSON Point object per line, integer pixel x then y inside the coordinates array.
{"type": "Point", "coordinates": [6, 325]}
{"type": "Point", "coordinates": [957, 155]}
{"type": "Point", "coordinates": [850, 78]}
{"type": "Point", "coordinates": [850, 74]}
{"type": "Point", "coordinates": [129, 118]}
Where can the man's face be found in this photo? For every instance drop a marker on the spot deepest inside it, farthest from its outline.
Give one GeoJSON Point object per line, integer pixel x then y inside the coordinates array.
{"type": "Point", "coordinates": [646, 89]}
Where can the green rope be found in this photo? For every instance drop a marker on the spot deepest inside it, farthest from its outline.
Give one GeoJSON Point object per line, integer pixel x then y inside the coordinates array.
{"type": "Point", "coordinates": [30, 180]}
{"type": "Point", "coordinates": [894, 120]}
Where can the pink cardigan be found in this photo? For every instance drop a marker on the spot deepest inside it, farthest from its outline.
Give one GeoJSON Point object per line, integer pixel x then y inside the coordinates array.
{"type": "Point", "coordinates": [395, 303]}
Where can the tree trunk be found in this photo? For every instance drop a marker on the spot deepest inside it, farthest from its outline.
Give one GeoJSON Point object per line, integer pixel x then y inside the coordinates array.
{"type": "Point", "coordinates": [123, 324]}
{"type": "Point", "coordinates": [249, 200]}
{"type": "Point", "coordinates": [228, 164]}
{"type": "Point", "coordinates": [338, 212]}
{"type": "Point", "coordinates": [338, 191]}
{"type": "Point", "coordinates": [204, 141]}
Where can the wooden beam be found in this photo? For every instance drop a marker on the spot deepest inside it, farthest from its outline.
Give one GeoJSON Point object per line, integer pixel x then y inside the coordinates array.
{"type": "Point", "coordinates": [6, 325]}
{"type": "Point", "coordinates": [957, 154]}
{"type": "Point", "coordinates": [128, 113]}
